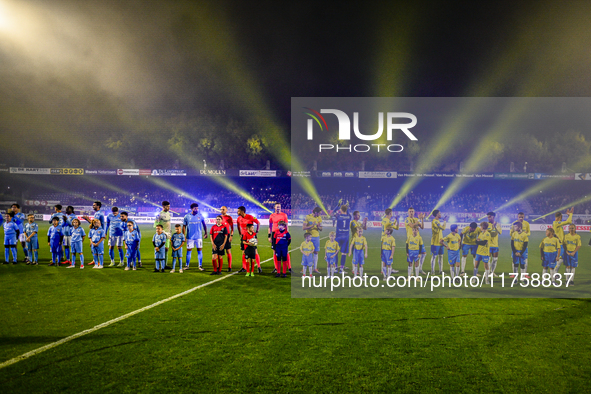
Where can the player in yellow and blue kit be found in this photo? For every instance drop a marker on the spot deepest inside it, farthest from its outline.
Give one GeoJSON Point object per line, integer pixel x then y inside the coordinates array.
{"type": "Point", "coordinates": [468, 236]}
{"type": "Point", "coordinates": [519, 241]}
{"type": "Point", "coordinates": [452, 243]}
{"type": "Point", "coordinates": [307, 249]}
{"type": "Point", "coordinates": [389, 222]}
{"type": "Point", "coordinates": [525, 227]}
{"type": "Point", "coordinates": [358, 248]}
{"type": "Point", "coordinates": [495, 230]}
{"type": "Point", "coordinates": [549, 252]}
{"type": "Point", "coordinates": [572, 243]}
{"type": "Point", "coordinates": [483, 251]}
{"type": "Point", "coordinates": [419, 223]}
{"type": "Point", "coordinates": [413, 248]}
{"type": "Point", "coordinates": [313, 225]}
{"type": "Point", "coordinates": [388, 247]}
{"type": "Point", "coordinates": [436, 249]}
{"type": "Point", "coordinates": [331, 255]}
{"type": "Point", "coordinates": [558, 226]}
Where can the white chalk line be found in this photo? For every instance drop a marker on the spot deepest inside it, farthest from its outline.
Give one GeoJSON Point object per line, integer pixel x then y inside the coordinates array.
{"type": "Point", "coordinates": [108, 323]}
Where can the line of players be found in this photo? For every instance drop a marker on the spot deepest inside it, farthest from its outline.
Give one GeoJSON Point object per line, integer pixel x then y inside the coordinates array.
{"type": "Point", "coordinates": [66, 237]}
{"type": "Point", "coordinates": [479, 240]}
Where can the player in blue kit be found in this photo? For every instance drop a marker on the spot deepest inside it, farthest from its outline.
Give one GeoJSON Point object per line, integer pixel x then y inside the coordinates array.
{"type": "Point", "coordinates": [115, 231]}
{"type": "Point", "coordinates": [20, 219]}
{"type": "Point", "coordinates": [132, 241]}
{"type": "Point", "coordinates": [96, 207]}
{"type": "Point", "coordinates": [54, 240]}
{"type": "Point", "coordinates": [193, 228]}
{"type": "Point", "coordinates": [77, 241]}
{"type": "Point", "coordinates": [159, 241]}
{"type": "Point", "coordinates": [67, 227]}
{"type": "Point", "coordinates": [177, 240]}
{"type": "Point", "coordinates": [97, 243]}
{"type": "Point", "coordinates": [60, 216]}
{"type": "Point", "coordinates": [11, 233]}
{"type": "Point", "coordinates": [124, 220]}
{"type": "Point", "coordinates": [343, 223]}
{"type": "Point", "coordinates": [32, 240]}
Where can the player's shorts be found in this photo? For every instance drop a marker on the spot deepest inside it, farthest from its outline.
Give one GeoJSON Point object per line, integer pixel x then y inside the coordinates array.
{"type": "Point", "coordinates": [98, 249]}
{"type": "Point", "coordinates": [67, 241]}
{"type": "Point", "coordinates": [77, 247]}
{"type": "Point", "coordinates": [10, 241]}
{"type": "Point", "coordinates": [358, 256]}
{"type": "Point", "coordinates": [413, 255]}
{"type": "Point", "coordinates": [482, 258]}
{"type": "Point", "coordinates": [131, 253]}
{"type": "Point", "coordinates": [55, 248]}
{"type": "Point", "coordinates": [22, 237]}
{"type": "Point", "coordinates": [177, 253]}
{"type": "Point", "coordinates": [219, 252]}
{"type": "Point", "coordinates": [250, 252]}
{"type": "Point", "coordinates": [160, 255]}
{"type": "Point", "coordinates": [308, 261]}
{"type": "Point", "coordinates": [523, 255]}
{"type": "Point", "coordinates": [343, 242]}
{"type": "Point", "coordinates": [572, 261]}
{"type": "Point", "coordinates": [518, 260]}
{"type": "Point", "coordinates": [195, 243]}
{"type": "Point", "coordinates": [469, 249]}
{"type": "Point", "coordinates": [331, 259]}
{"type": "Point", "coordinates": [387, 257]}
{"type": "Point", "coordinates": [316, 242]}
{"type": "Point", "coordinates": [453, 257]}
{"type": "Point", "coordinates": [437, 249]}
{"type": "Point", "coordinates": [116, 240]}
{"type": "Point", "coordinates": [33, 244]}
{"type": "Point", "coordinates": [549, 260]}
{"type": "Point", "coordinates": [228, 244]}
{"type": "Point", "coordinates": [493, 249]}
{"type": "Point", "coordinates": [422, 249]}
{"type": "Point", "coordinates": [281, 253]}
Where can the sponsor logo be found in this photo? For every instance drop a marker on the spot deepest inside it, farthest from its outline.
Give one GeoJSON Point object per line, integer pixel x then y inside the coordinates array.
{"type": "Point", "coordinates": [169, 173]}
{"type": "Point", "coordinates": [33, 171]}
{"type": "Point", "coordinates": [258, 173]}
{"type": "Point", "coordinates": [305, 174]}
{"type": "Point", "coordinates": [349, 174]}
{"type": "Point", "coordinates": [583, 177]}
{"type": "Point", "coordinates": [145, 172]}
{"type": "Point", "coordinates": [133, 172]}
{"type": "Point", "coordinates": [338, 174]}
{"type": "Point", "coordinates": [67, 171]}
{"type": "Point", "coordinates": [212, 172]}
{"type": "Point", "coordinates": [326, 174]}
{"type": "Point", "coordinates": [100, 172]}
{"type": "Point", "coordinates": [377, 174]}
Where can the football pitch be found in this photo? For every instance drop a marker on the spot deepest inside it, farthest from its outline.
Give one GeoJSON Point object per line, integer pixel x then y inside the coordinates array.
{"type": "Point", "coordinates": [244, 334]}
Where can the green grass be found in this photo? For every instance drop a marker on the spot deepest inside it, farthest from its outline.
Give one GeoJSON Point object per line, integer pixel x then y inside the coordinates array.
{"type": "Point", "coordinates": [249, 334]}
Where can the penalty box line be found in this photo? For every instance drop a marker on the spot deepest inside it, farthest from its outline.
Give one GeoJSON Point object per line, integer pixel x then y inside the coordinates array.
{"type": "Point", "coordinates": [113, 321]}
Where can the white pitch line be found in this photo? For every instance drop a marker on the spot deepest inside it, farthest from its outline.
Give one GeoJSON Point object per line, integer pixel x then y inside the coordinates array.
{"type": "Point", "coordinates": [108, 323]}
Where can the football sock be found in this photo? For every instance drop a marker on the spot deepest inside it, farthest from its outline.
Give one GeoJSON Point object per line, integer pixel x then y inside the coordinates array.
{"type": "Point", "coordinates": [486, 274]}
{"type": "Point", "coordinates": [6, 254]}
{"type": "Point", "coordinates": [188, 258]}
{"type": "Point", "coordinates": [173, 263]}
{"type": "Point", "coordinates": [258, 259]}
{"type": "Point", "coordinates": [433, 257]}
{"type": "Point", "coordinates": [100, 258]}
{"type": "Point", "coordinates": [252, 268]}
{"type": "Point", "coordinates": [464, 264]}
{"type": "Point", "coordinates": [112, 254]}
{"type": "Point", "coordinates": [55, 257]}
{"type": "Point", "coordinates": [26, 252]}
{"type": "Point", "coordinates": [214, 262]}
{"type": "Point", "coordinates": [13, 254]}
{"type": "Point", "coordinates": [572, 271]}
{"type": "Point", "coordinates": [81, 260]}
{"type": "Point", "coordinates": [525, 266]}
{"type": "Point", "coordinates": [244, 264]}
{"type": "Point", "coordinates": [409, 271]}
{"type": "Point", "coordinates": [139, 256]}
{"type": "Point", "coordinates": [389, 271]}
{"type": "Point", "coordinates": [361, 270]}
{"type": "Point", "coordinates": [475, 271]}
{"type": "Point", "coordinates": [276, 262]}
{"type": "Point", "coordinates": [229, 259]}
{"type": "Point", "coordinates": [200, 257]}
{"type": "Point", "coordinates": [36, 253]}
{"type": "Point", "coordinates": [558, 264]}
{"type": "Point", "coordinates": [220, 263]}
{"type": "Point", "coordinates": [315, 261]}
{"type": "Point", "coordinates": [452, 272]}
{"type": "Point", "coordinates": [545, 271]}
{"type": "Point", "coordinates": [515, 268]}
{"type": "Point", "coordinates": [288, 261]}
{"type": "Point", "coordinates": [417, 270]}
{"type": "Point", "coordinates": [67, 250]}
{"type": "Point", "coordinates": [421, 261]}
{"type": "Point", "coordinates": [343, 260]}
{"type": "Point", "coordinates": [121, 255]}
{"type": "Point", "coordinates": [286, 266]}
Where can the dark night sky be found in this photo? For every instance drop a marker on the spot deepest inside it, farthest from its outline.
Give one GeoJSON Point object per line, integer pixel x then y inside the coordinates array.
{"type": "Point", "coordinates": [79, 71]}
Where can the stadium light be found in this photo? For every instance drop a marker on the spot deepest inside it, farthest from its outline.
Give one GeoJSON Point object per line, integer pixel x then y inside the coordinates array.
{"type": "Point", "coordinates": [566, 206]}
{"type": "Point", "coordinates": [166, 185]}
